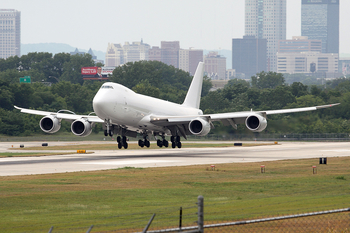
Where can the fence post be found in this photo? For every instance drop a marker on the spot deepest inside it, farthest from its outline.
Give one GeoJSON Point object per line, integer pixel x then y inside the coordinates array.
{"type": "Point", "coordinates": [51, 229]}
{"type": "Point", "coordinates": [180, 221]}
{"type": "Point", "coordinates": [149, 223]}
{"type": "Point", "coordinates": [200, 214]}
{"type": "Point", "coordinates": [88, 231]}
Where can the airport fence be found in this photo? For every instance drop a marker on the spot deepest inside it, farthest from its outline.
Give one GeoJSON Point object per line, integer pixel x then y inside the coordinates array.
{"type": "Point", "coordinates": [192, 220]}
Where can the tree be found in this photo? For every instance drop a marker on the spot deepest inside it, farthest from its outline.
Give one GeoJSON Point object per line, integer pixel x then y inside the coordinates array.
{"type": "Point", "coordinates": [267, 80]}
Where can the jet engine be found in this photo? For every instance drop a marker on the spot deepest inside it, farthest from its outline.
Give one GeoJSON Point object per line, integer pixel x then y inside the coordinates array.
{"type": "Point", "coordinates": [199, 127]}
{"type": "Point", "coordinates": [50, 124]}
{"type": "Point", "coordinates": [81, 127]}
{"type": "Point", "coordinates": [256, 123]}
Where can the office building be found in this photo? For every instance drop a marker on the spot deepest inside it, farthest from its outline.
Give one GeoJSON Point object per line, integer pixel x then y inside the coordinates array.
{"type": "Point", "coordinates": [170, 53]}
{"type": "Point", "coordinates": [307, 62]}
{"type": "Point", "coordinates": [10, 33]}
{"type": "Point", "coordinates": [299, 44]}
{"type": "Point", "coordinates": [155, 54]}
{"type": "Point", "coordinates": [117, 55]}
{"type": "Point", "coordinates": [215, 66]}
{"type": "Point", "coordinates": [320, 21]}
{"type": "Point", "coordinates": [114, 55]}
{"type": "Point", "coordinates": [266, 19]}
{"type": "Point", "coordinates": [189, 59]}
{"type": "Point", "coordinates": [249, 55]}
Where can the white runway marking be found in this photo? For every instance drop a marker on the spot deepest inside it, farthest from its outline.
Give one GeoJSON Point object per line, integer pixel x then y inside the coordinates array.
{"type": "Point", "coordinates": [130, 162]}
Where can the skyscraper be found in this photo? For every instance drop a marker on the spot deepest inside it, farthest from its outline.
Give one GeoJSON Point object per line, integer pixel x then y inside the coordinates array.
{"type": "Point", "coordinates": [320, 20]}
{"type": "Point", "coordinates": [10, 33]}
{"type": "Point", "coordinates": [266, 19]}
{"type": "Point", "coordinates": [249, 55]}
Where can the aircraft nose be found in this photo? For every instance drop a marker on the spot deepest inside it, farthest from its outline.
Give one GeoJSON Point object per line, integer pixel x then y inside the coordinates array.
{"type": "Point", "coordinates": [98, 103]}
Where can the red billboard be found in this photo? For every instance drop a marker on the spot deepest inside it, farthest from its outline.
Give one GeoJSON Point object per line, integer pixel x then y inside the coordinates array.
{"type": "Point", "coordinates": [89, 70]}
{"type": "Point", "coordinates": [93, 73]}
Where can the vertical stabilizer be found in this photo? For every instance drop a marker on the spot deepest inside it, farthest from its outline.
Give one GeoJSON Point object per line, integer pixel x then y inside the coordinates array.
{"type": "Point", "coordinates": [193, 96]}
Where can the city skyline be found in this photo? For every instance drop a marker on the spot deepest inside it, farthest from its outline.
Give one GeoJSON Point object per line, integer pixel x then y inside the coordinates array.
{"type": "Point", "coordinates": [201, 24]}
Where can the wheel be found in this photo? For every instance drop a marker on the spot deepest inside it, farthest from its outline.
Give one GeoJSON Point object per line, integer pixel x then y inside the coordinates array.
{"type": "Point", "coordinates": [173, 144]}
{"type": "Point", "coordinates": [125, 145]}
{"type": "Point", "coordinates": [110, 133]}
{"type": "Point", "coordinates": [179, 144]}
{"type": "Point", "coordinates": [172, 139]}
{"type": "Point", "coordinates": [124, 139]}
{"type": "Point", "coordinates": [147, 143]}
{"type": "Point", "coordinates": [177, 138]}
{"type": "Point", "coordinates": [105, 132]}
{"type": "Point", "coordinates": [159, 143]}
{"type": "Point", "coordinates": [120, 145]}
{"type": "Point", "coordinates": [165, 143]}
{"type": "Point", "coordinates": [119, 139]}
{"type": "Point", "coordinates": [141, 143]}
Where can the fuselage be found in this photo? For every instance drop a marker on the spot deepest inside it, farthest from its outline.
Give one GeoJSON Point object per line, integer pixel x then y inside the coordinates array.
{"type": "Point", "coordinates": [122, 106]}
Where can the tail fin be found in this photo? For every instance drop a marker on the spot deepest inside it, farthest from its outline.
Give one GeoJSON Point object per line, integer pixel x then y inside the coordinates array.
{"type": "Point", "coordinates": [193, 96]}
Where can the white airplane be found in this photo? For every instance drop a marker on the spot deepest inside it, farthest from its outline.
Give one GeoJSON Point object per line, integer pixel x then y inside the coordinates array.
{"type": "Point", "coordinates": [126, 113]}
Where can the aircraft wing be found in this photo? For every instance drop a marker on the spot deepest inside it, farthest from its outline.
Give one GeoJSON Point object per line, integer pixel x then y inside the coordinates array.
{"type": "Point", "coordinates": [59, 115]}
{"type": "Point", "coordinates": [230, 118]}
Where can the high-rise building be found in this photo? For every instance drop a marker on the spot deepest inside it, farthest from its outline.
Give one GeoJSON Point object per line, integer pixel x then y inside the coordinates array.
{"type": "Point", "coordinates": [10, 33]}
{"type": "Point", "coordinates": [266, 19]}
{"type": "Point", "coordinates": [249, 55]}
{"type": "Point", "coordinates": [320, 21]}
{"type": "Point", "coordinates": [189, 59]}
{"type": "Point", "coordinates": [170, 52]}
{"type": "Point", "coordinates": [114, 55]}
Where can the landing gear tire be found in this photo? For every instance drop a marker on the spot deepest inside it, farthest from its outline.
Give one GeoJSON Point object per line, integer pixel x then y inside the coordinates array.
{"type": "Point", "coordinates": [110, 133]}
{"type": "Point", "coordinates": [141, 143]}
{"type": "Point", "coordinates": [159, 143]}
{"type": "Point", "coordinates": [125, 145]}
{"type": "Point", "coordinates": [165, 143]}
{"type": "Point", "coordinates": [179, 145]}
{"type": "Point", "coordinates": [147, 143]}
{"type": "Point", "coordinates": [173, 145]}
{"type": "Point", "coordinates": [119, 145]}
{"type": "Point", "coordinates": [119, 139]}
{"type": "Point", "coordinates": [105, 133]}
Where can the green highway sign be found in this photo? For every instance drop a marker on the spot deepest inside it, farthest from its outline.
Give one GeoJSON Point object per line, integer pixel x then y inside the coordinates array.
{"type": "Point", "coordinates": [25, 79]}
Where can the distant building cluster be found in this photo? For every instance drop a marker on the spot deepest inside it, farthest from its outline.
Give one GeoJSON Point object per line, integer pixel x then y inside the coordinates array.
{"type": "Point", "coordinates": [265, 47]}
{"type": "Point", "coordinates": [169, 53]}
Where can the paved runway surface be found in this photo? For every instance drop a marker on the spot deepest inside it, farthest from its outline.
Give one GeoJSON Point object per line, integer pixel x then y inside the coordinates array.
{"type": "Point", "coordinates": [111, 159]}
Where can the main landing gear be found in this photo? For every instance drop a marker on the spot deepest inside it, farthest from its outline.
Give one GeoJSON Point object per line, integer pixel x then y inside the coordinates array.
{"type": "Point", "coordinates": [175, 141]}
{"type": "Point", "coordinates": [122, 142]}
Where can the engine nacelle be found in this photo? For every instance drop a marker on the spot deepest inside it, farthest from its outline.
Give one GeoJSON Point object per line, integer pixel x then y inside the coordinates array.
{"type": "Point", "coordinates": [81, 127]}
{"type": "Point", "coordinates": [50, 124]}
{"type": "Point", "coordinates": [199, 127]}
{"type": "Point", "coordinates": [256, 123]}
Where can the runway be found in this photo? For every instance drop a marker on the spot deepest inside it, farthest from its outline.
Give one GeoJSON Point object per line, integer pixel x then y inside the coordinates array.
{"type": "Point", "coordinates": [113, 159]}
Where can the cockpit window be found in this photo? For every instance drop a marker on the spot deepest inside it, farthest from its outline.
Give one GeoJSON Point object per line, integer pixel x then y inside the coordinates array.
{"type": "Point", "coordinates": [106, 87]}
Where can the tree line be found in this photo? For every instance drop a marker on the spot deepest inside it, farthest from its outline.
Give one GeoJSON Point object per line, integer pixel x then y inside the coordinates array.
{"type": "Point", "coordinates": [264, 91]}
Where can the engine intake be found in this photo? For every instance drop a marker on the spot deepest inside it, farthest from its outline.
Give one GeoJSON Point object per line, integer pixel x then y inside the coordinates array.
{"type": "Point", "coordinates": [199, 127]}
{"type": "Point", "coordinates": [81, 127]}
{"type": "Point", "coordinates": [50, 124]}
{"type": "Point", "coordinates": [256, 123]}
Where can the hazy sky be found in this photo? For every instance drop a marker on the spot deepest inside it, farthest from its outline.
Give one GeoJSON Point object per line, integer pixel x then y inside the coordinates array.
{"type": "Point", "coordinates": [202, 24]}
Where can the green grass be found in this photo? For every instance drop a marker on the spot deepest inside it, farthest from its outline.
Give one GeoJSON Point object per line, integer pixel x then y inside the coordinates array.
{"type": "Point", "coordinates": [127, 198]}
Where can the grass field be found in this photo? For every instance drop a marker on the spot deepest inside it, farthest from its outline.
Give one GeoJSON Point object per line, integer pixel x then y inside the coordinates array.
{"type": "Point", "coordinates": [127, 198]}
